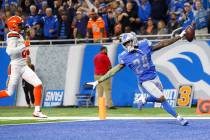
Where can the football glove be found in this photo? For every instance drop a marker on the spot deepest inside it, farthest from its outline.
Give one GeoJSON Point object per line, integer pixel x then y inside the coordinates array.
{"type": "Point", "coordinates": [182, 34]}
{"type": "Point", "coordinates": [94, 84]}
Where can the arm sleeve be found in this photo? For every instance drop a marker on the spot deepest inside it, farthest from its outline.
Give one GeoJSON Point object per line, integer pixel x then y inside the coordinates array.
{"type": "Point", "coordinates": [120, 60]}
{"type": "Point", "coordinates": [91, 6]}
{"type": "Point", "coordinates": [146, 43]}
{"type": "Point", "coordinates": [12, 46]}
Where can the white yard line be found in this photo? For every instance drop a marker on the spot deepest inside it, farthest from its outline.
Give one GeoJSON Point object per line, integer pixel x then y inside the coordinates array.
{"type": "Point", "coordinates": [95, 118]}
{"type": "Point", "coordinates": [80, 119]}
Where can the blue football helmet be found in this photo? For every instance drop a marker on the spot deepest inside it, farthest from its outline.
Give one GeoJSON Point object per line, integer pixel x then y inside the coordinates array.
{"type": "Point", "coordinates": [129, 41]}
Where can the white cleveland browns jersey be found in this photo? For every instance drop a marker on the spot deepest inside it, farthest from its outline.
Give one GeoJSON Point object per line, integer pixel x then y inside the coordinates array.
{"type": "Point", "coordinates": [16, 48]}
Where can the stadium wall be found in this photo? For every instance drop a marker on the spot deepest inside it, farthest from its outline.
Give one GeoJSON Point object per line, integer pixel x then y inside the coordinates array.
{"type": "Point", "coordinates": [68, 67]}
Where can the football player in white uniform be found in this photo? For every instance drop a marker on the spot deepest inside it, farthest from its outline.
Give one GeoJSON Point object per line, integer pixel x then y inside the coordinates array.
{"type": "Point", "coordinates": [18, 50]}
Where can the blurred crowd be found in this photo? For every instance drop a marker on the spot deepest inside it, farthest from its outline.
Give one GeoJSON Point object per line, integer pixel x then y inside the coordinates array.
{"type": "Point", "coordinates": [64, 19]}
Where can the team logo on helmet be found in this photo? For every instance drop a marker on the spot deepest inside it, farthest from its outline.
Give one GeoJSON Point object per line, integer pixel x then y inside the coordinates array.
{"type": "Point", "coordinates": [15, 23]}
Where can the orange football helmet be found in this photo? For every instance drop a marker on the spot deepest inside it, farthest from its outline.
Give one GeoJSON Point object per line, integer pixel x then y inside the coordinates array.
{"type": "Point", "coordinates": [15, 23]}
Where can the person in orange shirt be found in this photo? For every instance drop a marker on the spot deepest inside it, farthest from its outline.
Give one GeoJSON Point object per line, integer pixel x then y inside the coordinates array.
{"type": "Point", "coordinates": [96, 27]}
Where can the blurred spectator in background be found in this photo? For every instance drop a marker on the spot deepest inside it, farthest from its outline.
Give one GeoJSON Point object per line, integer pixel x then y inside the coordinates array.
{"type": "Point", "coordinates": [32, 34]}
{"type": "Point", "coordinates": [150, 27]}
{"type": "Point", "coordinates": [39, 4]}
{"type": "Point", "coordinates": [117, 3]}
{"type": "Point", "coordinates": [128, 29]}
{"type": "Point", "coordinates": [95, 27]}
{"type": "Point", "coordinates": [71, 12]}
{"type": "Point", "coordinates": [38, 30]}
{"type": "Point", "coordinates": [117, 29]}
{"type": "Point", "coordinates": [161, 29]}
{"type": "Point", "coordinates": [122, 18]}
{"type": "Point", "coordinates": [176, 6]}
{"type": "Point", "coordinates": [93, 5]}
{"type": "Point", "coordinates": [102, 65]}
{"type": "Point", "coordinates": [108, 18]}
{"type": "Point", "coordinates": [64, 27]}
{"type": "Point", "coordinates": [42, 12]}
{"type": "Point", "coordinates": [142, 30]}
{"type": "Point", "coordinates": [28, 88]}
{"type": "Point", "coordinates": [34, 17]}
{"type": "Point", "coordinates": [159, 10]}
{"type": "Point", "coordinates": [187, 16]}
{"type": "Point", "coordinates": [111, 23]}
{"type": "Point", "coordinates": [13, 7]}
{"type": "Point", "coordinates": [57, 5]}
{"type": "Point", "coordinates": [79, 25]}
{"type": "Point", "coordinates": [7, 14]}
{"type": "Point", "coordinates": [50, 23]}
{"type": "Point", "coordinates": [201, 19]}
{"type": "Point", "coordinates": [2, 26]}
{"type": "Point", "coordinates": [134, 20]}
{"type": "Point", "coordinates": [25, 5]}
{"type": "Point", "coordinates": [144, 10]}
{"type": "Point", "coordinates": [173, 23]}
{"type": "Point", "coordinates": [19, 12]}
{"type": "Point", "coordinates": [6, 3]}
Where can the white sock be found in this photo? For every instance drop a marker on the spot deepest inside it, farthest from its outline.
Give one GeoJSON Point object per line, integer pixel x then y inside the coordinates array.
{"type": "Point", "coordinates": [178, 117]}
{"type": "Point", "coordinates": [37, 108]}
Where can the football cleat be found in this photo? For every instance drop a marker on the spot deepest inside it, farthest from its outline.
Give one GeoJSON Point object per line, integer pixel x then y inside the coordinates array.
{"type": "Point", "coordinates": [140, 102]}
{"type": "Point", "coordinates": [39, 114]}
{"type": "Point", "coordinates": [182, 121]}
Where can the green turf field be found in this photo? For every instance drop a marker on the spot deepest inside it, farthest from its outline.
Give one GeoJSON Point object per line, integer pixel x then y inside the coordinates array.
{"type": "Point", "coordinates": [89, 112]}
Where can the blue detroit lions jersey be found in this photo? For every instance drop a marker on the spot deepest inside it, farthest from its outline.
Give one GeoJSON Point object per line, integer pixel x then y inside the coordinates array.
{"type": "Point", "coordinates": [140, 61]}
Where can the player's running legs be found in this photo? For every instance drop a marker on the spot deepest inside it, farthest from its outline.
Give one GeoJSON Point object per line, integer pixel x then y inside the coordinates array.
{"type": "Point", "coordinates": [30, 77]}
{"type": "Point", "coordinates": [13, 81]}
{"type": "Point", "coordinates": [154, 88]}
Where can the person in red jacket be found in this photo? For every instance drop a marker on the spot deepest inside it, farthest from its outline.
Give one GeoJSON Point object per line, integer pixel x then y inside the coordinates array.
{"type": "Point", "coordinates": [102, 65]}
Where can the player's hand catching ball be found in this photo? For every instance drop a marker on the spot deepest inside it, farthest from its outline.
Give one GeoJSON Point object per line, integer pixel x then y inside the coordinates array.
{"type": "Point", "coordinates": [190, 33]}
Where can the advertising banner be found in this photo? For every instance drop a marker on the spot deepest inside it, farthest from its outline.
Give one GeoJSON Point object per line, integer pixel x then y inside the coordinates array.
{"type": "Point", "coordinates": [53, 98]}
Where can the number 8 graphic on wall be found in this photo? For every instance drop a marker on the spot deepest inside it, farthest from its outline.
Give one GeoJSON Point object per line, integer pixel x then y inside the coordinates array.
{"type": "Point", "coordinates": [184, 96]}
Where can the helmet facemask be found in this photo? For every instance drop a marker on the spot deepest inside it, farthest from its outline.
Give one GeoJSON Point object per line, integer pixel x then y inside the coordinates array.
{"type": "Point", "coordinates": [21, 26]}
{"type": "Point", "coordinates": [129, 41]}
{"type": "Point", "coordinates": [129, 45]}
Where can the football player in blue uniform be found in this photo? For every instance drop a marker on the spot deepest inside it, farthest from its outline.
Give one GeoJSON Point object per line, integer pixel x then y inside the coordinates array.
{"type": "Point", "coordinates": [137, 56]}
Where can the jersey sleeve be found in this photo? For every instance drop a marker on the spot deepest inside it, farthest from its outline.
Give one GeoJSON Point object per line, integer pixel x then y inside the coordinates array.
{"type": "Point", "coordinates": [120, 59]}
{"type": "Point", "coordinates": [146, 44]}
{"type": "Point", "coordinates": [12, 44]}
{"type": "Point", "coordinates": [149, 43]}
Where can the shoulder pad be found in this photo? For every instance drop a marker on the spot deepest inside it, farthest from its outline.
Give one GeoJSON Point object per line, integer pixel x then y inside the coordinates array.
{"type": "Point", "coordinates": [122, 53]}
{"type": "Point", "coordinates": [145, 42]}
{"type": "Point", "coordinates": [13, 34]}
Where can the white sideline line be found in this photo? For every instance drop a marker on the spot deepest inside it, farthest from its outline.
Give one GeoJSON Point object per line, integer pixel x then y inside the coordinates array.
{"type": "Point", "coordinates": [96, 118]}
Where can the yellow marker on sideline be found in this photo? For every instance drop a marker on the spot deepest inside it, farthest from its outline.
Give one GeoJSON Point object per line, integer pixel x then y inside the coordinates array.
{"type": "Point", "coordinates": [102, 108]}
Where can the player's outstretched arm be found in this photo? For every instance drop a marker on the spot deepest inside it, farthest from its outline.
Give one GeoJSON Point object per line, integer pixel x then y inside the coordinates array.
{"type": "Point", "coordinates": [168, 42]}
{"type": "Point", "coordinates": [109, 74]}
